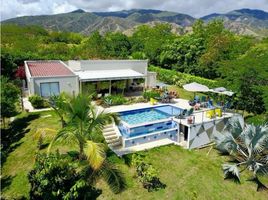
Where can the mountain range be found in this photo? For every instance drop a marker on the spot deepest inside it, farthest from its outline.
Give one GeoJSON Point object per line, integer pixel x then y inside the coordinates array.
{"type": "Point", "coordinates": [243, 21]}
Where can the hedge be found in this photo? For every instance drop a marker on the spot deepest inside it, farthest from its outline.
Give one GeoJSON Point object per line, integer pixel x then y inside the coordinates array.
{"type": "Point", "coordinates": [173, 77]}
{"type": "Point", "coordinates": [38, 102]}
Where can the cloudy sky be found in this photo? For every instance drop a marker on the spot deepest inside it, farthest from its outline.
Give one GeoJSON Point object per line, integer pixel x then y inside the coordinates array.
{"type": "Point", "coordinates": [196, 8]}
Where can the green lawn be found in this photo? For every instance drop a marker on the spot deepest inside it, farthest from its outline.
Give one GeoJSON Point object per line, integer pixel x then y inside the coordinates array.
{"type": "Point", "coordinates": [184, 94]}
{"type": "Point", "coordinates": [187, 174]}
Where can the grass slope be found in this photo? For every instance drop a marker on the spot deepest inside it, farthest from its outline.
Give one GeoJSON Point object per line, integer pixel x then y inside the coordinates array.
{"type": "Point", "coordinates": [187, 174]}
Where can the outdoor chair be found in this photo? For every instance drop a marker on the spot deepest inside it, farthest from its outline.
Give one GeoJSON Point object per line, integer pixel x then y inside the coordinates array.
{"type": "Point", "coordinates": [218, 112]}
{"type": "Point", "coordinates": [204, 104]}
{"type": "Point", "coordinates": [203, 99]}
{"type": "Point", "coordinates": [227, 105]}
{"type": "Point", "coordinates": [191, 103]}
{"type": "Point", "coordinates": [153, 101]}
{"type": "Point", "coordinates": [210, 104]}
{"type": "Point", "coordinates": [196, 99]}
{"type": "Point", "coordinates": [190, 111]}
{"type": "Point", "coordinates": [210, 114]}
{"type": "Point", "coordinates": [182, 114]}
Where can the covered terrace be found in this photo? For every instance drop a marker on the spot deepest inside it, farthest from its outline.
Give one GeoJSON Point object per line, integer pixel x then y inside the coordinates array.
{"type": "Point", "coordinates": [106, 82]}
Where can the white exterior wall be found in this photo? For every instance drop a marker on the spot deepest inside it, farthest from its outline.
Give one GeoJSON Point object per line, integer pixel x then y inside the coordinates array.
{"type": "Point", "coordinates": [68, 84]}
{"type": "Point", "coordinates": [74, 65]}
{"type": "Point", "coordinates": [29, 79]}
{"type": "Point", "coordinates": [202, 134]}
{"type": "Point", "coordinates": [137, 65]}
{"type": "Point", "coordinates": [150, 80]}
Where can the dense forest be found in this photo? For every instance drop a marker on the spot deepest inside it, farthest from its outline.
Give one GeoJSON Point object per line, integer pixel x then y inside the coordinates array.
{"type": "Point", "coordinates": [237, 62]}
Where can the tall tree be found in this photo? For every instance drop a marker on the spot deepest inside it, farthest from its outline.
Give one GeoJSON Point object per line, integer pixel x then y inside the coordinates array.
{"type": "Point", "coordinates": [247, 75]}
{"type": "Point", "coordinates": [10, 95]}
{"type": "Point", "coordinates": [152, 40]}
{"type": "Point", "coordinates": [117, 45]}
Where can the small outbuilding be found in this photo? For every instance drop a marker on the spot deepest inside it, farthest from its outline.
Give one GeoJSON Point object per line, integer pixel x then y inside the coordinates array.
{"type": "Point", "coordinates": [47, 78]}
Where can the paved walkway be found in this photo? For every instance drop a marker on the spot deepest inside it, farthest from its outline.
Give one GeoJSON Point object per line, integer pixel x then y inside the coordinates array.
{"type": "Point", "coordinates": [27, 105]}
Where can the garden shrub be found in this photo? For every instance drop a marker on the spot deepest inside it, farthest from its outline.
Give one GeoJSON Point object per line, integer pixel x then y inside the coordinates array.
{"type": "Point", "coordinates": [147, 174]}
{"type": "Point", "coordinates": [56, 177]}
{"type": "Point", "coordinates": [38, 102]}
{"type": "Point", "coordinates": [150, 94]}
{"type": "Point", "coordinates": [113, 100]}
{"type": "Point", "coordinates": [177, 78]}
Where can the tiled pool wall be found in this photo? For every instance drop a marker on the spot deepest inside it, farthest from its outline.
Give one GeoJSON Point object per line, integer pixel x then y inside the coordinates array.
{"type": "Point", "coordinates": [148, 133]}
{"type": "Point", "coordinates": [171, 134]}
{"type": "Point", "coordinates": [146, 129]}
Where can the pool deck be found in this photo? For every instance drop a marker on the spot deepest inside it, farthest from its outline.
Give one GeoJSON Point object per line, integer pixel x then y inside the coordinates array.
{"type": "Point", "coordinates": [181, 103]}
{"type": "Point", "coordinates": [200, 115]}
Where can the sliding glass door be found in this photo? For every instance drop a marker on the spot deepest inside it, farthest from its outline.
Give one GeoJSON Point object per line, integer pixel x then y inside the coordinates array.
{"type": "Point", "coordinates": [49, 89]}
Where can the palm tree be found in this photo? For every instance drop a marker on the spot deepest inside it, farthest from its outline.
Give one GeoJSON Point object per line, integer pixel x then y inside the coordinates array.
{"type": "Point", "coordinates": [248, 146]}
{"type": "Point", "coordinates": [59, 103]}
{"type": "Point", "coordinates": [83, 125]}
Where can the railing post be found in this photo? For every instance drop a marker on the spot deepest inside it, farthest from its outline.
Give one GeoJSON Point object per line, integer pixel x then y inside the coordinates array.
{"type": "Point", "coordinates": [202, 117]}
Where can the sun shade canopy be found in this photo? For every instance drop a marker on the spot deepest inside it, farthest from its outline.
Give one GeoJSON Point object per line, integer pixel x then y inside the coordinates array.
{"type": "Point", "coordinates": [102, 75]}
{"type": "Point", "coordinates": [196, 87]}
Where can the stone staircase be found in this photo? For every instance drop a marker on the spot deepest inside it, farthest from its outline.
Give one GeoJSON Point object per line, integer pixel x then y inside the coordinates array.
{"type": "Point", "coordinates": [111, 137]}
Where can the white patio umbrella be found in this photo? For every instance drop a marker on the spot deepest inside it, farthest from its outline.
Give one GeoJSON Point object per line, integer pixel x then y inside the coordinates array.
{"type": "Point", "coordinates": [196, 87]}
{"type": "Point", "coordinates": [222, 90]}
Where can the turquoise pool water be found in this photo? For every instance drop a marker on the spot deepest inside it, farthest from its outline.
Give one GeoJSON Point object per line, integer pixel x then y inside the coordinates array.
{"type": "Point", "coordinates": [139, 116]}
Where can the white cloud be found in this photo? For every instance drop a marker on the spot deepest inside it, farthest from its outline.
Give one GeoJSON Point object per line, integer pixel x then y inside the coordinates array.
{"type": "Point", "coordinates": [196, 8]}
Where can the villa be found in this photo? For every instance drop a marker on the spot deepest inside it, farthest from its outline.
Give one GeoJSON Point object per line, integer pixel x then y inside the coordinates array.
{"type": "Point", "coordinates": [142, 125]}
{"type": "Point", "coordinates": [46, 78]}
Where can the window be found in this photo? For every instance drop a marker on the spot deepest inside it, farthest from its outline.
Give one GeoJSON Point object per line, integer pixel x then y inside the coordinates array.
{"type": "Point", "coordinates": [49, 89]}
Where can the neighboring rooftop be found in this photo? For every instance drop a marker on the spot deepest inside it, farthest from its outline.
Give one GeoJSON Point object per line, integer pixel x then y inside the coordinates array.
{"type": "Point", "coordinates": [48, 68]}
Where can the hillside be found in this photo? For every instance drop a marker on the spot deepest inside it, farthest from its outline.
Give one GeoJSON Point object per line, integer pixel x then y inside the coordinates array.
{"type": "Point", "coordinates": [244, 21]}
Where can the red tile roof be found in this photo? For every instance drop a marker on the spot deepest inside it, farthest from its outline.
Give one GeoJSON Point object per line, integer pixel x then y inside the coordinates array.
{"type": "Point", "coordinates": [48, 68]}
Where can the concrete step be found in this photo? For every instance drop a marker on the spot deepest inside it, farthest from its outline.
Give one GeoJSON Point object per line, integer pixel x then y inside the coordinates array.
{"type": "Point", "coordinates": [109, 125]}
{"type": "Point", "coordinates": [109, 133]}
{"type": "Point", "coordinates": [110, 137]}
{"type": "Point", "coordinates": [111, 141]}
{"type": "Point", "coordinates": [108, 129]}
{"type": "Point", "coordinates": [115, 144]}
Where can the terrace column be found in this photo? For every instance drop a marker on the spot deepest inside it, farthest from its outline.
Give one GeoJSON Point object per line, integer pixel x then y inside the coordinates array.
{"type": "Point", "coordinates": [110, 87]}
{"type": "Point", "coordinates": [80, 86]}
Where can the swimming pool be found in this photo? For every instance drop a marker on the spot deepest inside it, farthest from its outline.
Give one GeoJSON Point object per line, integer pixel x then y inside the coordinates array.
{"type": "Point", "coordinates": [148, 124]}
{"type": "Point", "coordinates": [140, 116]}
